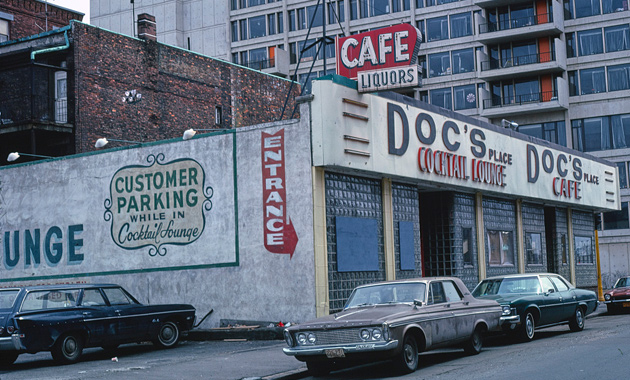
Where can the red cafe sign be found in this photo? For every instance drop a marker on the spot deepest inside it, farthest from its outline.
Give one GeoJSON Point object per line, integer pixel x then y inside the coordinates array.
{"type": "Point", "coordinates": [379, 49]}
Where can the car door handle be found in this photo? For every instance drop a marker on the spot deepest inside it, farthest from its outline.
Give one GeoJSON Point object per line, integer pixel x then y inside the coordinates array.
{"type": "Point", "coordinates": [447, 305]}
{"type": "Point", "coordinates": [117, 311]}
{"type": "Point", "coordinates": [85, 314]}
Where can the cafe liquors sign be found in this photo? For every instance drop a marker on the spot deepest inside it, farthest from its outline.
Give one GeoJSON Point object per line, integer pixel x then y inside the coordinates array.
{"type": "Point", "coordinates": [158, 204]}
{"type": "Point", "coordinates": [382, 59]}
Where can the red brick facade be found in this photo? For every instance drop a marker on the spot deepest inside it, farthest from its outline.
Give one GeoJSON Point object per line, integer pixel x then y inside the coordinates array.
{"type": "Point", "coordinates": [29, 17]}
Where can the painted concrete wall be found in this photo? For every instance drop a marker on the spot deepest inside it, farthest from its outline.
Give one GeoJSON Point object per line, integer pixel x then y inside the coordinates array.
{"type": "Point", "coordinates": [173, 221]}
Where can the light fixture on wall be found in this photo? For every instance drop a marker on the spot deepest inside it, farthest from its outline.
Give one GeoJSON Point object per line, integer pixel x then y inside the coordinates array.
{"type": "Point", "coordinates": [190, 133]}
{"type": "Point", "coordinates": [103, 141]}
{"type": "Point", "coordinates": [15, 155]}
{"type": "Point", "coordinates": [132, 97]}
{"type": "Point", "coordinates": [509, 124]}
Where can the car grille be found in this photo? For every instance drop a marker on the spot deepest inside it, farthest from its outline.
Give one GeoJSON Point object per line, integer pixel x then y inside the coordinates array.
{"type": "Point", "coordinates": [338, 336]}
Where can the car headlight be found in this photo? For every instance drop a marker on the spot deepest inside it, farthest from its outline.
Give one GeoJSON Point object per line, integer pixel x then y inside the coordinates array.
{"type": "Point", "coordinates": [385, 332]}
{"type": "Point", "coordinates": [301, 338]}
{"type": "Point", "coordinates": [365, 334]}
{"type": "Point", "coordinates": [311, 338]}
{"type": "Point", "coordinates": [377, 334]}
{"type": "Point", "coordinates": [607, 297]}
{"type": "Point", "coordinates": [288, 338]}
{"type": "Point", "coordinates": [506, 310]}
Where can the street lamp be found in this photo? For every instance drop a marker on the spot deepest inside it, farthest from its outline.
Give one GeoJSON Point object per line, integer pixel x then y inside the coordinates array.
{"type": "Point", "coordinates": [190, 133]}
{"type": "Point", "coordinates": [132, 97]}
{"type": "Point", "coordinates": [103, 141]}
{"type": "Point", "coordinates": [15, 155]}
{"type": "Point", "coordinates": [509, 124]}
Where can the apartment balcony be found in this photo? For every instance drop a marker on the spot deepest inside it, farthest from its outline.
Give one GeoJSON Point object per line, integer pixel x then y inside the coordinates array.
{"type": "Point", "coordinates": [278, 65]}
{"type": "Point", "coordinates": [547, 101]}
{"type": "Point", "coordinates": [540, 25]}
{"type": "Point", "coordinates": [34, 112]}
{"type": "Point", "coordinates": [525, 65]}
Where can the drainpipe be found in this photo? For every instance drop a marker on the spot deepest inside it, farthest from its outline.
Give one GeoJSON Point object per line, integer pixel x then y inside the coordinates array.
{"type": "Point", "coordinates": [56, 48]}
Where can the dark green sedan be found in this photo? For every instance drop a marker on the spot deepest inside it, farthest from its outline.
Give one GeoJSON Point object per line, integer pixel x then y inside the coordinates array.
{"type": "Point", "coordinates": [537, 300]}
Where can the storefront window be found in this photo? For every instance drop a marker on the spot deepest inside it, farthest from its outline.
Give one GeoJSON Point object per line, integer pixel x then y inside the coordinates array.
{"type": "Point", "coordinates": [563, 248]}
{"type": "Point", "coordinates": [467, 246]}
{"type": "Point", "coordinates": [501, 248]}
{"type": "Point", "coordinates": [583, 250]}
{"type": "Point", "coordinates": [533, 248]}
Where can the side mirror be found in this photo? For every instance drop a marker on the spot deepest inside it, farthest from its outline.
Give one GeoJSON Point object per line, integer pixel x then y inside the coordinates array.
{"type": "Point", "coordinates": [417, 302]}
{"type": "Point", "coordinates": [551, 291]}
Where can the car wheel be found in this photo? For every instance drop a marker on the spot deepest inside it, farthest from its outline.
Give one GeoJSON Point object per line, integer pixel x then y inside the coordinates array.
{"type": "Point", "coordinates": [8, 358]}
{"type": "Point", "coordinates": [167, 336]}
{"type": "Point", "coordinates": [318, 368]}
{"type": "Point", "coordinates": [474, 344]}
{"type": "Point", "coordinates": [527, 330]}
{"type": "Point", "coordinates": [407, 360]}
{"type": "Point", "coordinates": [577, 321]}
{"type": "Point", "coordinates": [68, 348]}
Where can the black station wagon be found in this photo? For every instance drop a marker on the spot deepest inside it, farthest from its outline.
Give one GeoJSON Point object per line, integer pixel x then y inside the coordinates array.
{"type": "Point", "coordinates": [63, 319]}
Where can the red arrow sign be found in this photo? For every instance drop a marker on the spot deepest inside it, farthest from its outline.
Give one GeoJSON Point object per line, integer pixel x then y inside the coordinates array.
{"type": "Point", "coordinates": [279, 233]}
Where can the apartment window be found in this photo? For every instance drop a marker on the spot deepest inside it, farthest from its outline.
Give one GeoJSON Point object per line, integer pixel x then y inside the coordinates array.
{"type": "Point", "coordinates": [419, 3]}
{"type": "Point", "coordinates": [422, 64]}
{"type": "Point", "coordinates": [253, 3]}
{"type": "Point", "coordinates": [234, 57]}
{"type": "Point", "coordinates": [610, 6]}
{"type": "Point", "coordinates": [243, 29]}
{"type": "Point", "coordinates": [522, 15]}
{"type": "Point", "coordinates": [463, 61]}
{"type": "Point", "coordinates": [533, 248]}
{"type": "Point", "coordinates": [258, 57]}
{"type": "Point", "coordinates": [619, 77]}
{"type": "Point", "coordinates": [301, 18]}
{"type": "Point", "coordinates": [527, 90]}
{"type": "Point", "coordinates": [568, 9]}
{"type": "Point", "coordinates": [574, 88]}
{"type": "Point", "coordinates": [439, 64]}
{"type": "Point", "coordinates": [4, 30]}
{"type": "Point", "coordinates": [406, 5]}
{"type": "Point", "coordinates": [336, 12]}
{"type": "Point", "coordinates": [617, 220]}
{"type": "Point", "coordinates": [590, 42]}
{"type": "Point", "coordinates": [234, 5]}
{"type": "Point", "coordinates": [311, 52]}
{"type": "Point", "coordinates": [570, 45]}
{"type": "Point", "coordinates": [461, 25]}
{"type": "Point", "coordinates": [420, 26]}
{"type": "Point", "coordinates": [554, 131]}
{"type": "Point", "coordinates": [354, 10]}
{"type": "Point", "coordinates": [234, 28]}
{"type": "Point", "coordinates": [244, 58]}
{"type": "Point", "coordinates": [601, 133]}
{"type": "Point", "coordinates": [585, 8]}
{"type": "Point", "coordinates": [465, 97]}
{"type": "Point", "coordinates": [292, 52]}
{"type": "Point", "coordinates": [500, 248]}
{"type": "Point", "coordinates": [271, 23]}
{"type": "Point", "coordinates": [280, 23]}
{"type": "Point", "coordinates": [423, 96]}
{"type": "Point", "coordinates": [617, 38]}
{"type": "Point", "coordinates": [396, 6]}
{"type": "Point", "coordinates": [242, 4]}
{"type": "Point", "coordinates": [437, 29]}
{"type": "Point", "coordinates": [292, 25]}
{"type": "Point", "coordinates": [442, 98]}
{"type": "Point", "coordinates": [257, 27]}
{"type": "Point", "coordinates": [583, 250]}
{"type": "Point", "coordinates": [593, 81]}
{"type": "Point", "coordinates": [623, 174]}
{"type": "Point", "coordinates": [315, 14]}
{"type": "Point", "coordinates": [218, 115]}
{"type": "Point", "coordinates": [379, 7]}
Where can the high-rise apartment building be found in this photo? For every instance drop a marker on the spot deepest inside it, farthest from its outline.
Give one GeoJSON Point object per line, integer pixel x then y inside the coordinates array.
{"type": "Point", "coordinates": [559, 69]}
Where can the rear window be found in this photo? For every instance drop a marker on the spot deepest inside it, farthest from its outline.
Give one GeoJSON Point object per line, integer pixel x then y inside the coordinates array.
{"type": "Point", "coordinates": [50, 299]}
{"type": "Point", "coordinates": [7, 298]}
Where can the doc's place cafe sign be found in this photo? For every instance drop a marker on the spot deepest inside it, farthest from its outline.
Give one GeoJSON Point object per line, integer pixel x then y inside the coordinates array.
{"type": "Point", "coordinates": [382, 59]}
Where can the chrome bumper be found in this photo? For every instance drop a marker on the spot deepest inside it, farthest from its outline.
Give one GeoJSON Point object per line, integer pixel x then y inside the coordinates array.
{"type": "Point", "coordinates": [617, 301]}
{"type": "Point", "coordinates": [511, 319]}
{"type": "Point", "coordinates": [10, 343]}
{"type": "Point", "coordinates": [347, 348]}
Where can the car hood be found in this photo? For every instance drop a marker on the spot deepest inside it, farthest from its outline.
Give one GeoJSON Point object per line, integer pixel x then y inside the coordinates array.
{"type": "Point", "coordinates": [619, 291]}
{"type": "Point", "coordinates": [360, 316]}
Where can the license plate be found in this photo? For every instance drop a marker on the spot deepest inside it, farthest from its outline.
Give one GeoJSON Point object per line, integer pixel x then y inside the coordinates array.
{"type": "Point", "coordinates": [365, 346]}
{"type": "Point", "coordinates": [335, 353]}
{"type": "Point", "coordinates": [625, 304]}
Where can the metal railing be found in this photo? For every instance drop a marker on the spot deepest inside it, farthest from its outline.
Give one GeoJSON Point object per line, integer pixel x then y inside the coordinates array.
{"type": "Point", "coordinates": [519, 60]}
{"type": "Point", "coordinates": [517, 100]}
{"type": "Point", "coordinates": [33, 108]}
{"type": "Point", "coordinates": [515, 23]}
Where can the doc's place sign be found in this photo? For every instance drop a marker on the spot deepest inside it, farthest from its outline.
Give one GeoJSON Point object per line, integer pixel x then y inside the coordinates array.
{"type": "Point", "coordinates": [382, 59]}
{"type": "Point", "coordinates": [158, 204]}
{"type": "Point", "coordinates": [415, 141]}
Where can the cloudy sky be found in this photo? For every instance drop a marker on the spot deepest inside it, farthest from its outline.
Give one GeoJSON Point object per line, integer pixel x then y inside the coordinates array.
{"type": "Point", "coordinates": [82, 6]}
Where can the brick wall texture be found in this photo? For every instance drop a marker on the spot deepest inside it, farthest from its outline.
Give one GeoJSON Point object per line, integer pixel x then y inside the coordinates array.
{"type": "Point", "coordinates": [29, 17]}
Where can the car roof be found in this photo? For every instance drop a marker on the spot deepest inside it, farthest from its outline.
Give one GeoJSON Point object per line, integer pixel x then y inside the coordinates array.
{"type": "Point", "coordinates": [519, 275]}
{"type": "Point", "coordinates": [66, 286]}
{"type": "Point", "coordinates": [409, 280]}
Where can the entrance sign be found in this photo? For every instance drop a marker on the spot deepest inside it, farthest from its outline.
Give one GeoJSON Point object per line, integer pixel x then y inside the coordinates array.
{"type": "Point", "coordinates": [388, 55]}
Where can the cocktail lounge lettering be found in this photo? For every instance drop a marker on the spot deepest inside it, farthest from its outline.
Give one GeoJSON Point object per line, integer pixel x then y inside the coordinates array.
{"type": "Point", "coordinates": [487, 165]}
{"type": "Point", "coordinates": [158, 204]}
{"type": "Point", "coordinates": [51, 245]}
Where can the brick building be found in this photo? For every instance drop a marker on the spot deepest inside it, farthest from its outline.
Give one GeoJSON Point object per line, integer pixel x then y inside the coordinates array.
{"type": "Point", "coordinates": [65, 88]}
{"type": "Point", "coordinates": [23, 18]}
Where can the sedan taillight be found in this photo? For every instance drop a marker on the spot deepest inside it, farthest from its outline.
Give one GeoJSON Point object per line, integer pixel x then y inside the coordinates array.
{"type": "Point", "coordinates": [10, 329]}
{"type": "Point", "coordinates": [1, 330]}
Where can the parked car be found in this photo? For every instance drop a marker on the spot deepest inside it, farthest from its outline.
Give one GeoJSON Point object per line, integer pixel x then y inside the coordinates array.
{"type": "Point", "coordinates": [536, 300]}
{"type": "Point", "coordinates": [394, 320]}
{"type": "Point", "coordinates": [618, 297]}
{"type": "Point", "coordinates": [64, 319]}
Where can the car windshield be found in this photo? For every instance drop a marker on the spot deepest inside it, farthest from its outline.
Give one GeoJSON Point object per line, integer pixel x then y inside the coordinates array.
{"type": "Point", "coordinates": [507, 286]}
{"type": "Point", "coordinates": [7, 297]}
{"type": "Point", "coordinates": [50, 299]}
{"type": "Point", "coordinates": [387, 293]}
{"type": "Point", "coordinates": [623, 282]}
